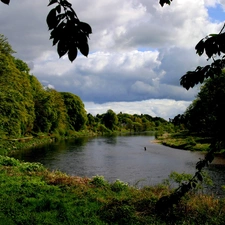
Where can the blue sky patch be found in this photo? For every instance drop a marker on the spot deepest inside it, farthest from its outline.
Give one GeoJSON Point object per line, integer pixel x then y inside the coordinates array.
{"type": "Point", "coordinates": [216, 13]}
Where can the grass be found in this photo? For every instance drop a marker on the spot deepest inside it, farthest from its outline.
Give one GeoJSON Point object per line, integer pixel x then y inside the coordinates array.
{"type": "Point", "coordinates": [30, 194]}
{"type": "Point", "coordinates": [186, 141]}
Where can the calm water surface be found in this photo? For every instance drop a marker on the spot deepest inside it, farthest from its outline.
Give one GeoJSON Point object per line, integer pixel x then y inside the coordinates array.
{"type": "Point", "coordinates": [119, 157]}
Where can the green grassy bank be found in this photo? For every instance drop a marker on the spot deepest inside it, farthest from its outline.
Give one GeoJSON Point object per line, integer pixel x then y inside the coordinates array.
{"type": "Point", "coordinates": [31, 194]}
{"type": "Point", "coordinates": [185, 140]}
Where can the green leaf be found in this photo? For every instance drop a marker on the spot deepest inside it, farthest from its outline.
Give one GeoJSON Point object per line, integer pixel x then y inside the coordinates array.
{"type": "Point", "coordinates": [6, 1]}
{"type": "Point", "coordinates": [213, 35]}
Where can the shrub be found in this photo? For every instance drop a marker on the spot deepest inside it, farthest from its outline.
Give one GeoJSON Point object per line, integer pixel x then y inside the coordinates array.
{"type": "Point", "coordinates": [99, 181]}
{"type": "Point", "coordinates": [118, 186]}
{"type": "Point", "coordinates": [7, 161]}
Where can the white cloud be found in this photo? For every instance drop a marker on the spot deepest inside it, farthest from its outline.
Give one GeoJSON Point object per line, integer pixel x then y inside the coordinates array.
{"type": "Point", "coordinates": [138, 49]}
{"type": "Point", "coordinates": [164, 108]}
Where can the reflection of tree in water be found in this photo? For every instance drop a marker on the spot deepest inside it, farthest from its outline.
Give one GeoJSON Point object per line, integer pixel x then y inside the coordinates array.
{"type": "Point", "coordinates": [112, 140]}
{"type": "Point", "coordinates": [37, 154]}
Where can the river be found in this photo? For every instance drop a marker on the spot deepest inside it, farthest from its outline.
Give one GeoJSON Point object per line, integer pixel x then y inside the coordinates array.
{"type": "Point", "coordinates": [120, 157]}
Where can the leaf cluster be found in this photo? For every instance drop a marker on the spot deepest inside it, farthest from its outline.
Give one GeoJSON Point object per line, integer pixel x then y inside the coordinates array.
{"type": "Point", "coordinates": [162, 2]}
{"type": "Point", "coordinates": [212, 45]}
{"type": "Point", "coordinates": [67, 31]}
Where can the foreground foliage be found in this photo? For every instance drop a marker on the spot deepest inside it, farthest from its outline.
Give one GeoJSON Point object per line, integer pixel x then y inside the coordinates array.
{"type": "Point", "coordinates": [30, 194]}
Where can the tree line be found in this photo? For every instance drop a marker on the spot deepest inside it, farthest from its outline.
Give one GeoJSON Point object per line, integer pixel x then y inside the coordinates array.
{"type": "Point", "coordinates": [205, 116]}
{"type": "Point", "coordinates": [29, 108]}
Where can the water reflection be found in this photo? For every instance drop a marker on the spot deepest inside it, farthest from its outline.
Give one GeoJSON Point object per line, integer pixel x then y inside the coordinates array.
{"type": "Point", "coordinates": [119, 157]}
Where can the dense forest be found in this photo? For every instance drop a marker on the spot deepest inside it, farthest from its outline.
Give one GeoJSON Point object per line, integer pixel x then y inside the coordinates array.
{"type": "Point", "coordinates": [28, 108]}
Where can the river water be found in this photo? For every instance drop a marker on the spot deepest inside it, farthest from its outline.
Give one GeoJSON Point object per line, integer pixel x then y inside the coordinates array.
{"type": "Point", "coordinates": [120, 157]}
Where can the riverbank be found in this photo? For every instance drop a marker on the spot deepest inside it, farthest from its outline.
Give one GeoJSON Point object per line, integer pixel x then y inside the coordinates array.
{"type": "Point", "coordinates": [9, 145]}
{"type": "Point", "coordinates": [30, 194]}
{"type": "Point", "coordinates": [185, 141]}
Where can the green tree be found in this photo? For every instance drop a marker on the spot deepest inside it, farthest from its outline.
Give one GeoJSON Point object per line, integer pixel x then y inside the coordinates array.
{"type": "Point", "coordinates": [5, 47]}
{"type": "Point", "coordinates": [206, 113]}
{"type": "Point", "coordinates": [103, 129]}
{"type": "Point", "coordinates": [17, 107]}
{"type": "Point", "coordinates": [110, 119]}
{"type": "Point", "coordinates": [76, 112]}
{"type": "Point", "coordinates": [213, 46]}
{"type": "Point", "coordinates": [21, 66]}
{"type": "Point", "coordinates": [129, 124]}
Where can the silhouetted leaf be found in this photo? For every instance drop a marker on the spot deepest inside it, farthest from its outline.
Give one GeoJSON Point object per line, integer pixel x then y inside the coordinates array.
{"type": "Point", "coordinates": [66, 3]}
{"type": "Point", "coordinates": [194, 184]}
{"type": "Point", "coordinates": [52, 2]}
{"type": "Point", "coordinates": [162, 2]}
{"type": "Point", "coordinates": [209, 157]}
{"type": "Point", "coordinates": [85, 27]}
{"type": "Point", "coordinates": [84, 49]}
{"type": "Point", "coordinates": [6, 1]}
{"type": "Point", "coordinates": [58, 8]}
{"type": "Point", "coordinates": [62, 48]}
{"type": "Point", "coordinates": [210, 47]}
{"type": "Point", "coordinates": [199, 176]}
{"type": "Point", "coordinates": [200, 165]}
{"type": "Point", "coordinates": [52, 19]}
{"type": "Point", "coordinates": [67, 31]}
{"type": "Point", "coordinates": [72, 53]}
{"type": "Point", "coordinates": [61, 16]}
{"type": "Point", "coordinates": [200, 47]}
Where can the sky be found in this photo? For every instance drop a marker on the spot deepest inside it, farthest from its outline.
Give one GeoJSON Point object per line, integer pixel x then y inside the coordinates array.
{"type": "Point", "coordinates": [138, 51]}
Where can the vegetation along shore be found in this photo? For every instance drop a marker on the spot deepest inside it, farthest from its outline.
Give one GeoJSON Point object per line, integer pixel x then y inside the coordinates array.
{"type": "Point", "coordinates": [32, 114]}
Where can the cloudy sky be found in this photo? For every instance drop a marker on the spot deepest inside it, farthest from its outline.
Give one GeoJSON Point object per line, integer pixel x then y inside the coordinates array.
{"type": "Point", "coordinates": [138, 51]}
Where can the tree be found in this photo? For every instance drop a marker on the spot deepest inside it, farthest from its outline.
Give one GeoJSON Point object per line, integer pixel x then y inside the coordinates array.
{"type": "Point", "coordinates": [67, 31]}
{"type": "Point", "coordinates": [110, 119]}
{"type": "Point", "coordinates": [213, 46]}
{"type": "Point", "coordinates": [206, 113]}
{"type": "Point", "coordinates": [77, 115]}
{"type": "Point", "coordinates": [17, 107]}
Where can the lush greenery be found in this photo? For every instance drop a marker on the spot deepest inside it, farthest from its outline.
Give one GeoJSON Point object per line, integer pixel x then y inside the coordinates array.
{"type": "Point", "coordinates": [204, 119]}
{"type": "Point", "coordinates": [30, 194]}
{"type": "Point", "coordinates": [30, 109]}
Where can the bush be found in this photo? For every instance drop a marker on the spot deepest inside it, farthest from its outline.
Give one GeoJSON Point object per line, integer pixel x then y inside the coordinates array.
{"type": "Point", "coordinates": [118, 186]}
{"type": "Point", "coordinates": [99, 181]}
{"type": "Point", "coordinates": [7, 161]}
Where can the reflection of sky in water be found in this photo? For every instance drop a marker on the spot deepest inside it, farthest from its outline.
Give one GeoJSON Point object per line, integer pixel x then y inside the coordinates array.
{"type": "Point", "coordinates": [121, 157]}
